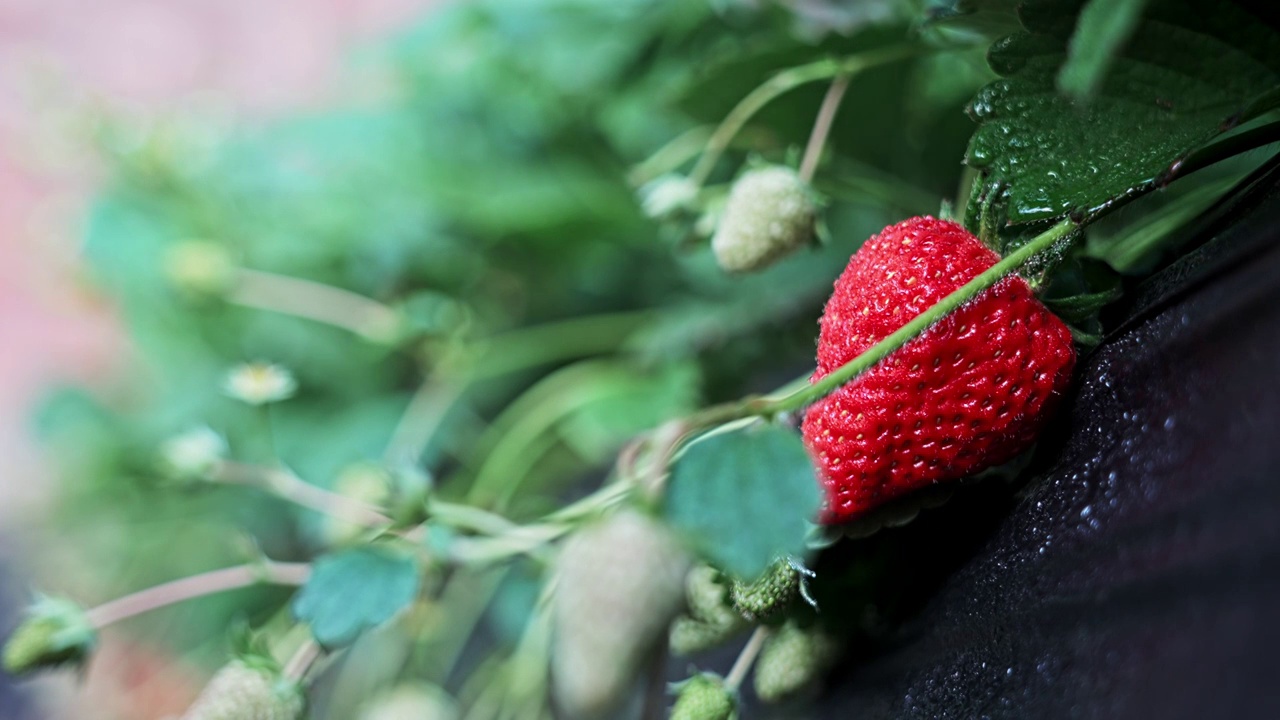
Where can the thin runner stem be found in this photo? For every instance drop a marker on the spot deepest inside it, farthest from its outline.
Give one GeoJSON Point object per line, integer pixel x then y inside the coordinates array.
{"type": "Point", "coordinates": [782, 83]}
{"type": "Point", "coordinates": [746, 659]}
{"type": "Point", "coordinates": [822, 127]}
{"type": "Point", "coordinates": [208, 583]}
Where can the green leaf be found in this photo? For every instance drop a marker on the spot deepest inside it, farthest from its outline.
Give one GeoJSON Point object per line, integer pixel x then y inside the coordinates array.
{"type": "Point", "coordinates": [354, 590]}
{"type": "Point", "coordinates": [1077, 308]}
{"type": "Point", "coordinates": [961, 18]}
{"type": "Point", "coordinates": [1190, 71]}
{"type": "Point", "coordinates": [1104, 26]}
{"type": "Point", "coordinates": [627, 405]}
{"type": "Point", "coordinates": [744, 496]}
{"type": "Point", "coordinates": [1129, 248]}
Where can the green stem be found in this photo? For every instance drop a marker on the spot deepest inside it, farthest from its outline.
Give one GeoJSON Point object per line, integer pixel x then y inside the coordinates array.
{"type": "Point", "coordinates": [315, 301]}
{"type": "Point", "coordinates": [670, 156]}
{"type": "Point", "coordinates": [526, 685]}
{"type": "Point", "coordinates": [555, 341]}
{"type": "Point", "coordinates": [602, 499]}
{"type": "Point", "coordinates": [288, 486]}
{"type": "Point", "coordinates": [1224, 149]}
{"type": "Point", "coordinates": [763, 406]}
{"type": "Point", "coordinates": [822, 127]}
{"type": "Point", "coordinates": [467, 517]}
{"type": "Point", "coordinates": [1207, 156]}
{"type": "Point", "coordinates": [426, 410]}
{"type": "Point", "coordinates": [746, 659]}
{"type": "Point", "coordinates": [464, 604]}
{"type": "Point", "coordinates": [302, 660]}
{"type": "Point", "coordinates": [508, 352]}
{"type": "Point", "coordinates": [921, 322]}
{"type": "Point", "coordinates": [782, 83]}
{"type": "Point", "coordinates": [528, 538]}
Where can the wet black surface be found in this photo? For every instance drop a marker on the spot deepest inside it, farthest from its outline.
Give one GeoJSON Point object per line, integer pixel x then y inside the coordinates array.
{"type": "Point", "coordinates": [1138, 576]}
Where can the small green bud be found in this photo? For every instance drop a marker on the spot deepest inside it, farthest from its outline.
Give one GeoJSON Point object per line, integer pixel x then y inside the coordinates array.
{"type": "Point", "coordinates": [792, 658]}
{"type": "Point", "coordinates": [704, 697]}
{"type": "Point", "coordinates": [689, 636]}
{"type": "Point", "coordinates": [770, 213]}
{"type": "Point", "coordinates": [667, 196]}
{"type": "Point", "coordinates": [199, 267]}
{"type": "Point", "coordinates": [192, 455]}
{"type": "Point", "coordinates": [56, 632]}
{"type": "Point", "coordinates": [246, 691]}
{"type": "Point", "coordinates": [364, 484]}
{"type": "Point", "coordinates": [769, 595]}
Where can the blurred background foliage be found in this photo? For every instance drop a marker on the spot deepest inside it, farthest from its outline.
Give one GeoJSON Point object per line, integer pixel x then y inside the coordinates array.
{"type": "Point", "coordinates": [484, 190]}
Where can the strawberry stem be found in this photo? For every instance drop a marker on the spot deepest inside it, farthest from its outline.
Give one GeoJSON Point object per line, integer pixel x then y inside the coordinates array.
{"type": "Point", "coordinates": [746, 659]}
{"type": "Point", "coordinates": [295, 669]}
{"type": "Point", "coordinates": [822, 127]}
{"type": "Point", "coordinates": [784, 82]}
{"type": "Point", "coordinates": [921, 322]}
{"type": "Point", "coordinates": [322, 303]}
{"type": "Point", "coordinates": [768, 407]}
{"type": "Point", "coordinates": [288, 486]}
{"type": "Point", "coordinates": [189, 588]}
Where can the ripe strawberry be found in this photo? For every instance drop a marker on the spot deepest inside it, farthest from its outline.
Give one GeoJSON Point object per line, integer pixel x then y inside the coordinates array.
{"type": "Point", "coordinates": [969, 393]}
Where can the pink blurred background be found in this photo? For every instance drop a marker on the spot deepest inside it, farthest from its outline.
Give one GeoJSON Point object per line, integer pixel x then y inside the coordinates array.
{"type": "Point", "coordinates": [58, 58]}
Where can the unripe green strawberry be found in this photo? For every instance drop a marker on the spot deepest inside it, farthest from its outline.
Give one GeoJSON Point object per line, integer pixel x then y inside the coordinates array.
{"type": "Point", "coordinates": [412, 702]}
{"type": "Point", "coordinates": [690, 635]}
{"type": "Point", "coordinates": [792, 658]}
{"type": "Point", "coordinates": [706, 594]}
{"type": "Point", "coordinates": [56, 632]}
{"type": "Point", "coordinates": [770, 212]}
{"type": "Point", "coordinates": [620, 583]}
{"type": "Point", "coordinates": [704, 697]}
{"type": "Point", "coordinates": [768, 595]}
{"type": "Point", "coordinates": [242, 691]}
{"type": "Point", "coordinates": [711, 620]}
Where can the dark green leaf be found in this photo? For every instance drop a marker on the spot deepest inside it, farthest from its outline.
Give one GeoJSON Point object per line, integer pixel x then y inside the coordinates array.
{"type": "Point", "coordinates": [988, 18]}
{"type": "Point", "coordinates": [1189, 72]}
{"type": "Point", "coordinates": [744, 496]}
{"type": "Point", "coordinates": [1134, 244]}
{"type": "Point", "coordinates": [353, 590]}
{"type": "Point", "coordinates": [1080, 307]}
{"type": "Point", "coordinates": [1103, 28]}
{"type": "Point", "coordinates": [627, 404]}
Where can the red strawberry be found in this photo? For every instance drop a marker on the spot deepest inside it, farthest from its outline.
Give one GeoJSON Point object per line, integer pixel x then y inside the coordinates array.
{"type": "Point", "coordinates": [969, 393]}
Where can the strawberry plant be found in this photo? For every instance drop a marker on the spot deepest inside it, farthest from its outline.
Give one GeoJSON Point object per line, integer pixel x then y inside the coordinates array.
{"type": "Point", "coordinates": [493, 391]}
